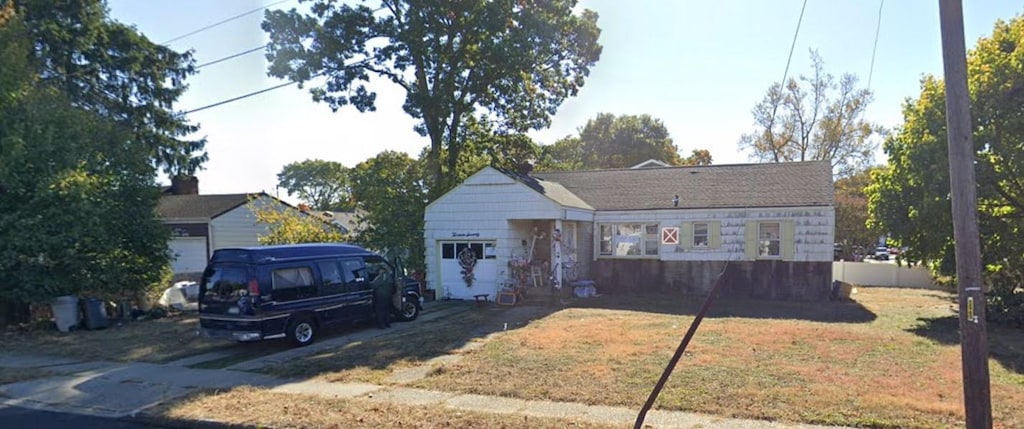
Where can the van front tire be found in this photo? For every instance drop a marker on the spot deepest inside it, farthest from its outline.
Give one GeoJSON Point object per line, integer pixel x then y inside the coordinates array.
{"type": "Point", "coordinates": [409, 310]}
{"type": "Point", "coordinates": [302, 331]}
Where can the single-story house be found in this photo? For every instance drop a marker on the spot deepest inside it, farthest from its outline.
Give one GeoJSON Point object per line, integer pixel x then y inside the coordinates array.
{"type": "Point", "coordinates": [638, 229]}
{"type": "Point", "coordinates": [346, 222]}
{"type": "Point", "coordinates": [200, 224]}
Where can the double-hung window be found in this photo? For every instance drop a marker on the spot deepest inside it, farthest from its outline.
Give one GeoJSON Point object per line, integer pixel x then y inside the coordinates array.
{"type": "Point", "coordinates": [701, 234]}
{"type": "Point", "coordinates": [769, 239]}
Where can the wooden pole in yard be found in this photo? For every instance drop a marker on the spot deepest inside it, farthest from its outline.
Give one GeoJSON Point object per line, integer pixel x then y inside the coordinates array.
{"type": "Point", "coordinates": [973, 341]}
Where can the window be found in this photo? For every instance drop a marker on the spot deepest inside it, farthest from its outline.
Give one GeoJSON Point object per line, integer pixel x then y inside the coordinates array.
{"type": "Point", "coordinates": [769, 239]}
{"type": "Point", "coordinates": [330, 272]}
{"type": "Point", "coordinates": [651, 239]}
{"type": "Point", "coordinates": [288, 278]}
{"type": "Point", "coordinates": [482, 250]}
{"type": "Point", "coordinates": [606, 240]}
{"type": "Point", "coordinates": [629, 239]}
{"type": "Point", "coordinates": [225, 281]}
{"type": "Point", "coordinates": [341, 276]}
{"type": "Point", "coordinates": [353, 271]}
{"type": "Point", "coordinates": [700, 235]}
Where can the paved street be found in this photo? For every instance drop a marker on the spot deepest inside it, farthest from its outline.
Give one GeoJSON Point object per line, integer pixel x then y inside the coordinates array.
{"type": "Point", "coordinates": [14, 417]}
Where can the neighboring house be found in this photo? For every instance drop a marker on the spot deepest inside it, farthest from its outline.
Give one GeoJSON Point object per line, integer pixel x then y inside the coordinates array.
{"type": "Point", "coordinates": [347, 222]}
{"type": "Point", "coordinates": [201, 224]}
{"type": "Point", "coordinates": [651, 163]}
{"type": "Point", "coordinates": [668, 229]}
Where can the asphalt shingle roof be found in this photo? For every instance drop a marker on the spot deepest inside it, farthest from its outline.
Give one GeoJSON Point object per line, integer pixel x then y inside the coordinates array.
{"type": "Point", "coordinates": [199, 206]}
{"type": "Point", "coordinates": [788, 184]}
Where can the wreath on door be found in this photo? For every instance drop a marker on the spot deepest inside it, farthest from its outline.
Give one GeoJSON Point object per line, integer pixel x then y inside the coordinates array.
{"type": "Point", "coordinates": [467, 261]}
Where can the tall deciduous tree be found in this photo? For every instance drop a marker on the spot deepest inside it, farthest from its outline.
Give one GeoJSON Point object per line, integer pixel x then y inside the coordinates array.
{"type": "Point", "coordinates": [324, 185]}
{"type": "Point", "coordinates": [852, 229]}
{"type": "Point", "coordinates": [610, 141]}
{"type": "Point", "coordinates": [815, 117]}
{"type": "Point", "coordinates": [485, 146]}
{"type": "Point", "coordinates": [117, 73]}
{"type": "Point", "coordinates": [566, 154]}
{"type": "Point", "coordinates": [390, 198]}
{"type": "Point", "coordinates": [699, 157]}
{"type": "Point", "coordinates": [515, 61]}
{"type": "Point", "coordinates": [290, 226]}
{"type": "Point", "coordinates": [911, 199]}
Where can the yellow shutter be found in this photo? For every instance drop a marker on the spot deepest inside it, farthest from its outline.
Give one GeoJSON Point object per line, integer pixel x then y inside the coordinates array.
{"type": "Point", "coordinates": [715, 234]}
{"type": "Point", "coordinates": [751, 235]}
{"type": "Point", "coordinates": [788, 240]}
{"type": "Point", "coordinates": [686, 235]}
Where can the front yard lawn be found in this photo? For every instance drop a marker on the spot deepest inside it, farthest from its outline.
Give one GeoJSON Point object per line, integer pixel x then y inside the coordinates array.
{"type": "Point", "coordinates": [889, 359]}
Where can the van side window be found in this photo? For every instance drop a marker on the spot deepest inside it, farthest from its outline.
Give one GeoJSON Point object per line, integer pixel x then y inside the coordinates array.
{"type": "Point", "coordinates": [289, 278]}
{"type": "Point", "coordinates": [355, 275]}
{"type": "Point", "coordinates": [331, 274]}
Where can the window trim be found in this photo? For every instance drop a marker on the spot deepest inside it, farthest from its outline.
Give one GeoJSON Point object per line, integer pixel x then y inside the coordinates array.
{"type": "Point", "coordinates": [707, 235]}
{"type": "Point", "coordinates": [645, 239]}
{"type": "Point", "coordinates": [779, 238]}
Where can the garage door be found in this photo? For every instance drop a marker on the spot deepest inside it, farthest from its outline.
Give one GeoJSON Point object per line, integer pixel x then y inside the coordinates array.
{"type": "Point", "coordinates": [188, 254]}
{"type": "Point", "coordinates": [485, 271]}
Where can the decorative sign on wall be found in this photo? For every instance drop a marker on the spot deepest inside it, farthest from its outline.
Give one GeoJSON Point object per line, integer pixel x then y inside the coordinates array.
{"type": "Point", "coordinates": [670, 235]}
{"type": "Point", "coordinates": [465, 234]}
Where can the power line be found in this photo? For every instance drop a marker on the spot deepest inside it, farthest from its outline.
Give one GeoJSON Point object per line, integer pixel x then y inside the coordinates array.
{"type": "Point", "coordinates": [874, 49]}
{"type": "Point", "coordinates": [208, 106]}
{"type": "Point", "coordinates": [222, 22]}
{"type": "Point", "coordinates": [240, 97]}
{"type": "Point", "coordinates": [793, 45]}
{"type": "Point", "coordinates": [355, 63]}
{"type": "Point", "coordinates": [245, 52]}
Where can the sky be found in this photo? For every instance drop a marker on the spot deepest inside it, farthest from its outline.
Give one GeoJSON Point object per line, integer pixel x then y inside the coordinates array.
{"type": "Point", "coordinates": [699, 66]}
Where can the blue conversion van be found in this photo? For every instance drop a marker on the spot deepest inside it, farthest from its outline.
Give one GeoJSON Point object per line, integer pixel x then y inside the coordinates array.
{"type": "Point", "coordinates": [294, 291]}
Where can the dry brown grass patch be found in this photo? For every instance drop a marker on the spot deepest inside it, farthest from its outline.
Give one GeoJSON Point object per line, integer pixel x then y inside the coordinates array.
{"type": "Point", "coordinates": [897, 368]}
{"type": "Point", "coordinates": [263, 408]}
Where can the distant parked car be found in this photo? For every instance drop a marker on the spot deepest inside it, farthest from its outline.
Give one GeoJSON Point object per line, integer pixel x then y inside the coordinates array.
{"type": "Point", "coordinates": [882, 253]}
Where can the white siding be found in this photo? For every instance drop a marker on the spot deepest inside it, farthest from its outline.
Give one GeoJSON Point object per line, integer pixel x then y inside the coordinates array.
{"type": "Point", "coordinates": [814, 230]}
{"type": "Point", "coordinates": [238, 227]}
{"type": "Point", "coordinates": [480, 209]}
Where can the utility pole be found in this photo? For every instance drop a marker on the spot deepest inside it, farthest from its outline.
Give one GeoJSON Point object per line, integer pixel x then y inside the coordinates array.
{"type": "Point", "coordinates": [973, 340]}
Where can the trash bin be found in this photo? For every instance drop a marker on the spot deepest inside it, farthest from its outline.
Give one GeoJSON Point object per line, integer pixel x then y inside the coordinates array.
{"type": "Point", "coordinates": [95, 314]}
{"type": "Point", "coordinates": [65, 312]}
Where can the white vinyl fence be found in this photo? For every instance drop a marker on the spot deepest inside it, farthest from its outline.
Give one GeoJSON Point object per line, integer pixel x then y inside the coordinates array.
{"type": "Point", "coordinates": [868, 274]}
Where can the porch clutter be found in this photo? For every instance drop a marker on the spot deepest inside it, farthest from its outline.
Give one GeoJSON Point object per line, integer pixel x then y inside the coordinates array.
{"type": "Point", "coordinates": [584, 288]}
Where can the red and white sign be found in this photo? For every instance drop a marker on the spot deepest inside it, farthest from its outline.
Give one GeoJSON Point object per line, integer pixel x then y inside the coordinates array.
{"type": "Point", "coordinates": [670, 235]}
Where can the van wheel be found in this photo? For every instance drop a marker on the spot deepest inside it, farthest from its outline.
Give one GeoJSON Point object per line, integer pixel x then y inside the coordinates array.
{"type": "Point", "coordinates": [302, 331]}
{"type": "Point", "coordinates": [409, 311]}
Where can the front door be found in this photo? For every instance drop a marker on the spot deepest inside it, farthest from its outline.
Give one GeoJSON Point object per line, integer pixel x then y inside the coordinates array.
{"type": "Point", "coordinates": [469, 259]}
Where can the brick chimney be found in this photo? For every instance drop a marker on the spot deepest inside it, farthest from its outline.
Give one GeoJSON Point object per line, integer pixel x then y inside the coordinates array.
{"type": "Point", "coordinates": [524, 169]}
{"type": "Point", "coordinates": [184, 185]}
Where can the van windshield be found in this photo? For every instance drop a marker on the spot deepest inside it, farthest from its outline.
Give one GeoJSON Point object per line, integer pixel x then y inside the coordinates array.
{"type": "Point", "coordinates": [225, 281]}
